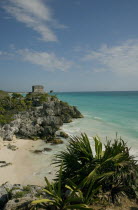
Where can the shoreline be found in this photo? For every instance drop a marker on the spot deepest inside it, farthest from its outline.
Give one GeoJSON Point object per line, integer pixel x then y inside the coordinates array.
{"type": "Point", "coordinates": [27, 167]}
{"type": "Point", "coordinates": [92, 127]}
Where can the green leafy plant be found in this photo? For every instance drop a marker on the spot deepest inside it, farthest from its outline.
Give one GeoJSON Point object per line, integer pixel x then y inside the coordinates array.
{"type": "Point", "coordinates": [17, 96]}
{"type": "Point", "coordinates": [57, 196]}
{"type": "Point", "coordinates": [3, 94]}
{"type": "Point", "coordinates": [15, 103]}
{"type": "Point", "coordinates": [112, 171]}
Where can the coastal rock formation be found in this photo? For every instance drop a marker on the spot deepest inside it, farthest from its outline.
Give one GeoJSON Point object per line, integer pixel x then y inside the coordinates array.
{"type": "Point", "coordinates": [18, 196]}
{"type": "Point", "coordinates": [41, 121]}
{"type": "Point", "coordinates": [3, 196]}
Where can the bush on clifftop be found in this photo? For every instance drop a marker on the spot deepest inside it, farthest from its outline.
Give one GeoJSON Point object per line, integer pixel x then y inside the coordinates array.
{"type": "Point", "coordinates": [3, 94]}
{"type": "Point", "coordinates": [10, 105]}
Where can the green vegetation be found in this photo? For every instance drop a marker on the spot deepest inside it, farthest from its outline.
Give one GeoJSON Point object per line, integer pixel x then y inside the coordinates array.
{"type": "Point", "coordinates": [112, 169]}
{"type": "Point", "coordinates": [5, 119]}
{"type": "Point", "coordinates": [86, 179]}
{"type": "Point", "coordinates": [19, 194]}
{"type": "Point", "coordinates": [37, 99]}
{"type": "Point", "coordinates": [16, 192]}
{"type": "Point", "coordinates": [64, 135]}
{"type": "Point", "coordinates": [57, 141]}
{"type": "Point", "coordinates": [10, 105]}
{"type": "Point", "coordinates": [27, 188]}
{"type": "Point", "coordinates": [3, 94]}
{"type": "Point", "coordinates": [34, 138]}
{"type": "Point", "coordinates": [64, 103]}
{"type": "Point", "coordinates": [57, 197]}
{"type": "Point", "coordinates": [53, 97]}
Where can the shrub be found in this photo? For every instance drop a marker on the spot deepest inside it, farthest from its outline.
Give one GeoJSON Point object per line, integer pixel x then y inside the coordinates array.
{"type": "Point", "coordinates": [17, 96]}
{"type": "Point", "coordinates": [113, 170]}
{"type": "Point", "coordinates": [6, 118]}
{"type": "Point", "coordinates": [57, 141]}
{"type": "Point", "coordinates": [57, 196]}
{"type": "Point", "coordinates": [10, 105]}
{"type": "Point", "coordinates": [3, 94]}
{"type": "Point", "coordinates": [64, 135]}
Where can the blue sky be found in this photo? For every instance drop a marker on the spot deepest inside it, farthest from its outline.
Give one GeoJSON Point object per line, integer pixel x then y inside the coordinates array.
{"type": "Point", "coordinates": [69, 45]}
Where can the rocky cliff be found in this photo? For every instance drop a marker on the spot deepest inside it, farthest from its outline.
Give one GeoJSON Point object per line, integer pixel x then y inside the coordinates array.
{"type": "Point", "coordinates": [41, 121]}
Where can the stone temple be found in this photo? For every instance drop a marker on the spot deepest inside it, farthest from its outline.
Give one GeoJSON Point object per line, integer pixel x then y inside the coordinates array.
{"type": "Point", "coordinates": [37, 89]}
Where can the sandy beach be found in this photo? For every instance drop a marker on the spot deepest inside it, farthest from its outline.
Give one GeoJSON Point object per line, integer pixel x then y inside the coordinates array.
{"type": "Point", "coordinates": [26, 166]}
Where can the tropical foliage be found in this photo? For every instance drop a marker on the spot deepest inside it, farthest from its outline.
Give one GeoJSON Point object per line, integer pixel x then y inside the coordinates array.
{"type": "Point", "coordinates": [109, 172]}
{"type": "Point", "coordinates": [10, 105]}
{"type": "Point", "coordinates": [3, 94]}
{"type": "Point", "coordinates": [59, 199]}
{"type": "Point", "coordinates": [88, 176]}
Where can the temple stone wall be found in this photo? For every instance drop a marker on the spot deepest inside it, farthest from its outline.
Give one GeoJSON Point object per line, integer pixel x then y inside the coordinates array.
{"type": "Point", "coordinates": [37, 89]}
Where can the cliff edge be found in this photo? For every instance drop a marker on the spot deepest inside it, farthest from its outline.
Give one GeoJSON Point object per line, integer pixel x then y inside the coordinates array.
{"type": "Point", "coordinates": [40, 120]}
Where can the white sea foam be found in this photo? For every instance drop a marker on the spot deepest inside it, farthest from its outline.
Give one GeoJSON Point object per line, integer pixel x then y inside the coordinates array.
{"type": "Point", "coordinates": [97, 118]}
{"type": "Point", "coordinates": [106, 113]}
{"type": "Point", "coordinates": [96, 127]}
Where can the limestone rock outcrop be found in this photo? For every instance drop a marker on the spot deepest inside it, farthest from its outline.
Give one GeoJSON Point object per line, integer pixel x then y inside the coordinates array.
{"type": "Point", "coordinates": [41, 121]}
{"type": "Point", "coordinates": [17, 196]}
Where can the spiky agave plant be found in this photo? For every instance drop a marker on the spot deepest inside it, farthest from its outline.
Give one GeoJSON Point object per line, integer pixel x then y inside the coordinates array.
{"type": "Point", "coordinates": [113, 168]}
{"type": "Point", "coordinates": [75, 159]}
{"type": "Point", "coordinates": [117, 158]}
{"type": "Point", "coordinates": [58, 199]}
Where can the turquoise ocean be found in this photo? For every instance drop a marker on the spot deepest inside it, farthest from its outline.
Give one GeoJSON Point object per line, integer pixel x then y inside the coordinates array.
{"type": "Point", "coordinates": [105, 114]}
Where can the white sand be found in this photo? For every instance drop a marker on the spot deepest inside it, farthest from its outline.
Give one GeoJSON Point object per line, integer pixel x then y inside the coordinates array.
{"type": "Point", "coordinates": [27, 167]}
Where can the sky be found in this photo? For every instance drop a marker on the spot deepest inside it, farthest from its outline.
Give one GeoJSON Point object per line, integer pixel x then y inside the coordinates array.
{"type": "Point", "coordinates": [69, 45]}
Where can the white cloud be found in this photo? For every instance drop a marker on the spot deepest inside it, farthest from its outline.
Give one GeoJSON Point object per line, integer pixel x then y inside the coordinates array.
{"type": "Point", "coordinates": [121, 59]}
{"type": "Point", "coordinates": [2, 53]}
{"type": "Point", "coordinates": [34, 14]}
{"type": "Point", "coordinates": [49, 61]}
{"type": "Point", "coordinates": [5, 55]}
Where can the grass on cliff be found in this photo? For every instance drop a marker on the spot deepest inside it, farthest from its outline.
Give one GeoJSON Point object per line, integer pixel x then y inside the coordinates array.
{"type": "Point", "coordinates": [3, 94]}
{"type": "Point", "coordinates": [10, 105]}
{"type": "Point", "coordinates": [87, 178]}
